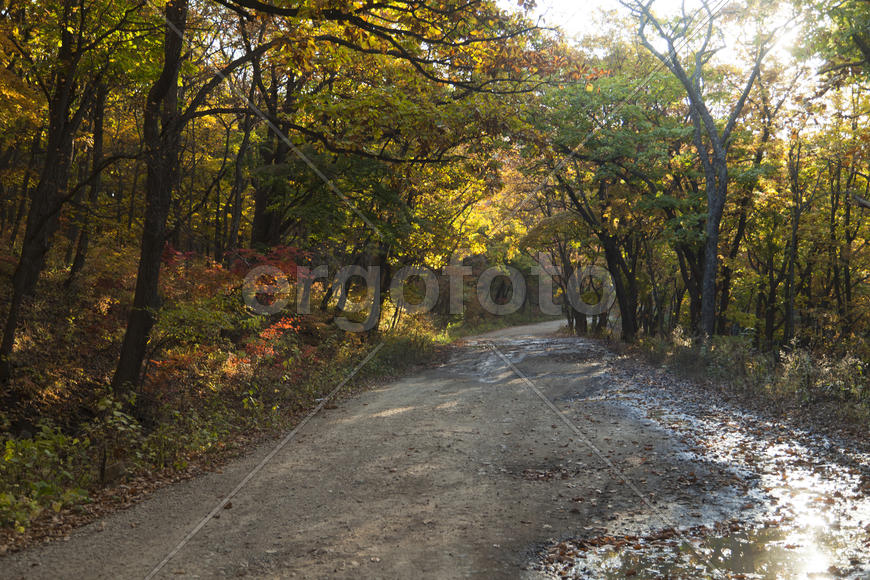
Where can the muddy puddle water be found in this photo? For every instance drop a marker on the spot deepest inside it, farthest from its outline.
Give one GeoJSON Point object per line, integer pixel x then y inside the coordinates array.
{"type": "Point", "coordinates": [807, 514]}
{"type": "Point", "coordinates": [765, 552]}
{"type": "Point", "coordinates": [807, 508]}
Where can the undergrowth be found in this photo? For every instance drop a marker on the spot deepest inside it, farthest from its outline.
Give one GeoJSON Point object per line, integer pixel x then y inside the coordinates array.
{"type": "Point", "coordinates": [214, 375]}
{"type": "Point", "coordinates": [792, 377]}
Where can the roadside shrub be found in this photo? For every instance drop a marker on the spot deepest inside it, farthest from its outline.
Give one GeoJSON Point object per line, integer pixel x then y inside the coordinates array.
{"type": "Point", "coordinates": [399, 353]}
{"type": "Point", "coordinates": [819, 377]}
{"type": "Point", "coordinates": [184, 434]}
{"type": "Point", "coordinates": [800, 376]}
{"type": "Point", "coordinates": [47, 471]}
{"type": "Point", "coordinates": [733, 358]}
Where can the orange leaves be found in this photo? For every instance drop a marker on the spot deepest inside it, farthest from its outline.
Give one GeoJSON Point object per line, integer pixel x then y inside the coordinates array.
{"type": "Point", "coordinates": [288, 324]}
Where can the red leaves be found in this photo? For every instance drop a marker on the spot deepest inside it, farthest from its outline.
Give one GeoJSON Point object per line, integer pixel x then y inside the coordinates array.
{"type": "Point", "coordinates": [285, 258]}
{"type": "Point", "coordinates": [172, 257]}
{"type": "Point", "coordinates": [263, 345]}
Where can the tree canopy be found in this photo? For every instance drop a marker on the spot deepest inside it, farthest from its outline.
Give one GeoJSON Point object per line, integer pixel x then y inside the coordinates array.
{"type": "Point", "coordinates": [720, 179]}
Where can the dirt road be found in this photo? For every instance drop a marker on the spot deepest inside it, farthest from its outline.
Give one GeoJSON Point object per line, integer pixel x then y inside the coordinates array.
{"type": "Point", "coordinates": [459, 471]}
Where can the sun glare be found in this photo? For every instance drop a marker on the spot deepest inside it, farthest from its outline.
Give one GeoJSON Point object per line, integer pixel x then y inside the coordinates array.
{"type": "Point", "coordinates": [579, 19]}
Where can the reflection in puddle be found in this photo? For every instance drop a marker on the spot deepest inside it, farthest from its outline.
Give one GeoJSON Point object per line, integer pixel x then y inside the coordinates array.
{"type": "Point", "coordinates": [766, 552]}
{"type": "Point", "coordinates": [811, 512]}
{"type": "Point", "coordinates": [810, 515]}
{"type": "Point", "coordinates": [809, 533]}
{"type": "Point", "coordinates": [807, 511]}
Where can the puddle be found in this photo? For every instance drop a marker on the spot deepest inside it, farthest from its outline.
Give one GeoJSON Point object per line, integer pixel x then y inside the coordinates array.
{"type": "Point", "coordinates": [811, 517]}
{"type": "Point", "coordinates": [807, 517]}
{"type": "Point", "coordinates": [730, 552]}
{"type": "Point", "coordinates": [806, 513]}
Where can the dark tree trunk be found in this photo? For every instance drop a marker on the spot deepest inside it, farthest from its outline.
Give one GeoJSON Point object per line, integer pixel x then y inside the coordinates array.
{"type": "Point", "coordinates": [691, 270]}
{"type": "Point", "coordinates": [846, 259]}
{"type": "Point", "coordinates": [162, 131]}
{"type": "Point", "coordinates": [581, 323]}
{"type": "Point", "coordinates": [717, 189]}
{"type": "Point", "coordinates": [266, 228]}
{"type": "Point", "coordinates": [797, 208]}
{"type": "Point", "coordinates": [624, 286]}
{"type": "Point", "coordinates": [238, 186]}
{"type": "Point", "coordinates": [94, 191]}
{"type": "Point", "coordinates": [677, 308]}
{"type": "Point", "coordinates": [769, 317]}
{"type": "Point", "coordinates": [25, 187]}
{"type": "Point", "coordinates": [47, 198]}
{"type": "Point", "coordinates": [266, 225]}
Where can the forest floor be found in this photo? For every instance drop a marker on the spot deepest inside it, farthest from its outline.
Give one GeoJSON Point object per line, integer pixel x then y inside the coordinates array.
{"type": "Point", "coordinates": [525, 454]}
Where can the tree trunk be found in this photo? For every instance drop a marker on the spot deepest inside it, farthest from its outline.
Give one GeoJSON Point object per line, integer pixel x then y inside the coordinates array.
{"type": "Point", "coordinates": [238, 186]}
{"type": "Point", "coordinates": [47, 199]}
{"type": "Point", "coordinates": [692, 271]}
{"type": "Point", "coordinates": [25, 187]}
{"type": "Point", "coordinates": [789, 329]}
{"type": "Point", "coordinates": [94, 192]}
{"type": "Point", "coordinates": [625, 288]}
{"type": "Point", "coordinates": [266, 229]}
{"type": "Point", "coordinates": [717, 189]}
{"type": "Point", "coordinates": [162, 132]}
{"type": "Point", "coordinates": [797, 207]}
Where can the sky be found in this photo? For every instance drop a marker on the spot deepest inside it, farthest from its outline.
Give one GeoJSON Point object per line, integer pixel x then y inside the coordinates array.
{"type": "Point", "coordinates": [578, 18]}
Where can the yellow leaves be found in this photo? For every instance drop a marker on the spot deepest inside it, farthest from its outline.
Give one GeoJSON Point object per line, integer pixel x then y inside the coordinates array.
{"type": "Point", "coordinates": [18, 101]}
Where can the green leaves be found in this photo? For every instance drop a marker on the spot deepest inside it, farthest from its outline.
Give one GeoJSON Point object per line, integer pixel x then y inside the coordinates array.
{"type": "Point", "coordinates": [42, 472]}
